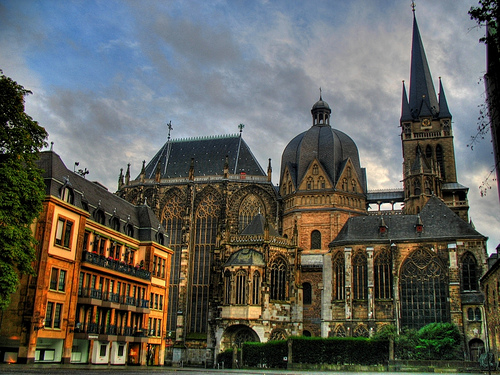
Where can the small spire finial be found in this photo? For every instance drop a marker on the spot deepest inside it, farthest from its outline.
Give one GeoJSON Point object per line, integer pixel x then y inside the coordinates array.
{"type": "Point", "coordinates": [413, 6]}
{"type": "Point", "coordinates": [169, 126]}
{"type": "Point", "coordinates": [320, 96]}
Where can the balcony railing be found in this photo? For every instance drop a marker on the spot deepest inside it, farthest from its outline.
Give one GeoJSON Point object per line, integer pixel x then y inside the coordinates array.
{"type": "Point", "coordinates": [110, 329]}
{"type": "Point", "coordinates": [113, 297]}
{"type": "Point", "coordinates": [115, 265]}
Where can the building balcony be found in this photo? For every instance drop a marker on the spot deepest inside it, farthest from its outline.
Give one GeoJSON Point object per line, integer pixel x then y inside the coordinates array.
{"type": "Point", "coordinates": [91, 296]}
{"type": "Point", "coordinates": [115, 265]}
{"type": "Point", "coordinates": [102, 332]}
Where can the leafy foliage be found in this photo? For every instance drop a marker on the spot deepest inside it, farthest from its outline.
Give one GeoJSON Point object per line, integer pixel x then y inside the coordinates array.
{"type": "Point", "coordinates": [269, 354]}
{"type": "Point", "coordinates": [439, 341]}
{"type": "Point", "coordinates": [21, 186]}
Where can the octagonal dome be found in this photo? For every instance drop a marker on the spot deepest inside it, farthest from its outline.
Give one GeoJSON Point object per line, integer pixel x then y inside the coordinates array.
{"type": "Point", "coordinates": [330, 146]}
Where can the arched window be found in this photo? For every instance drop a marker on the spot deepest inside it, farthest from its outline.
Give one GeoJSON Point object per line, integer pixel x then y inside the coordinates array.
{"type": "Point", "coordinates": [307, 290]}
{"type": "Point", "coordinates": [310, 183]}
{"type": "Point", "coordinates": [241, 287]}
{"type": "Point", "coordinates": [250, 206]}
{"type": "Point", "coordinates": [339, 276]}
{"type": "Point", "coordinates": [428, 152]}
{"type": "Point", "coordinates": [359, 276]}
{"type": "Point", "coordinates": [440, 160]}
{"type": "Point", "coordinates": [427, 186]}
{"type": "Point", "coordinates": [315, 169]}
{"type": "Point", "coordinates": [99, 216]}
{"type": "Point", "coordinates": [289, 188]}
{"type": "Point", "coordinates": [470, 314]}
{"type": "Point", "coordinates": [227, 287]}
{"type": "Point", "coordinates": [205, 231]}
{"type": "Point", "coordinates": [340, 331]}
{"type": "Point", "coordinates": [382, 272]}
{"type": "Point", "coordinates": [256, 288]}
{"type": "Point", "coordinates": [67, 194]}
{"type": "Point", "coordinates": [321, 182]}
{"type": "Point", "coordinates": [115, 223]}
{"type": "Point", "coordinates": [129, 230]}
{"type": "Point", "coordinates": [477, 314]}
{"type": "Point", "coordinates": [278, 279]}
{"type": "Point", "coordinates": [316, 239]}
{"type": "Point", "coordinates": [469, 273]}
{"type": "Point", "coordinates": [360, 331]}
{"type": "Point", "coordinates": [171, 219]}
{"type": "Point", "coordinates": [423, 290]}
{"type": "Point", "coordinates": [416, 187]}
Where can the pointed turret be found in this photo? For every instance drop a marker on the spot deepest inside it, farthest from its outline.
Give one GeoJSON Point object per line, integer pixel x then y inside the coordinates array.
{"type": "Point", "coordinates": [423, 100]}
{"type": "Point", "coordinates": [444, 112]}
{"type": "Point", "coordinates": [405, 107]}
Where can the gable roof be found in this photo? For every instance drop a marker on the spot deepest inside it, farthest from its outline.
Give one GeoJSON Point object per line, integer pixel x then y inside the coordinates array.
{"type": "Point", "coordinates": [257, 227]}
{"type": "Point", "coordinates": [90, 196]}
{"type": "Point", "coordinates": [209, 154]}
{"type": "Point", "coordinates": [440, 223]}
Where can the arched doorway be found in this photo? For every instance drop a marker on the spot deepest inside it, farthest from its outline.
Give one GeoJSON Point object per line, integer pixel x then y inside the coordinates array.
{"type": "Point", "coordinates": [236, 335]}
{"type": "Point", "coordinates": [476, 348]}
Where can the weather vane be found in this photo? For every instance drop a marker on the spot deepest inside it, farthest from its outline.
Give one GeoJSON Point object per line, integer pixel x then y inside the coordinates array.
{"type": "Point", "coordinates": [241, 126]}
{"type": "Point", "coordinates": [413, 6]}
{"type": "Point", "coordinates": [169, 126]}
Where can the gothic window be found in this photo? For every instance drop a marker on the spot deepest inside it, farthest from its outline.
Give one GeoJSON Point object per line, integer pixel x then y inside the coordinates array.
{"type": "Point", "coordinates": [289, 188]}
{"type": "Point", "coordinates": [340, 331]}
{"type": "Point", "coordinates": [256, 288]}
{"type": "Point", "coordinates": [427, 186]}
{"type": "Point", "coordinates": [477, 314]}
{"type": "Point", "coordinates": [359, 276]}
{"type": "Point", "coordinates": [339, 276]}
{"type": "Point", "coordinates": [360, 331]}
{"type": "Point", "coordinates": [278, 279]}
{"type": "Point", "coordinates": [354, 188]}
{"type": "Point", "coordinates": [307, 290]}
{"type": "Point", "coordinates": [428, 152]}
{"type": "Point", "coordinates": [423, 290]}
{"type": "Point", "coordinates": [310, 183]}
{"type": "Point", "coordinates": [249, 208]}
{"type": "Point", "coordinates": [470, 314]}
{"type": "Point", "coordinates": [382, 272]}
{"type": "Point", "coordinates": [227, 287]}
{"type": "Point", "coordinates": [416, 187]}
{"type": "Point", "coordinates": [171, 218]}
{"type": "Point", "coordinates": [469, 273]}
{"type": "Point", "coordinates": [321, 182]}
{"type": "Point", "coordinates": [244, 335]}
{"type": "Point", "coordinates": [205, 233]}
{"type": "Point", "coordinates": [440, 160]}
{"type": "Point", "coordinates": [277, 335]}
{"type": "Point", "coordinates": [316, 239]}
{"type": "Point", "coordinates": [241, 284]}
{"type": "Point", "coordinates": [315, 169]}
{"type": "Point", "coordinates": [349, 173]}
{"type": "Point", "coordinates": [344, 184]}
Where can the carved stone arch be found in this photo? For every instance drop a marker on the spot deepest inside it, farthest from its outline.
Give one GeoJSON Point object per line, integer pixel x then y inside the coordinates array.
{"type": "Point", "coordinates": [237, 199]}
{"type": "Point", "coordinates": [361, 331]}
{"type": "Point", "coordinates": [149, 197]}
{"type": "Point", "coordinates": [278, 334]}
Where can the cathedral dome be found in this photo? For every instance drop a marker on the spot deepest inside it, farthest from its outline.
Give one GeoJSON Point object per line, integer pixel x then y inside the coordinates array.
{"type": "Point", "coordinates": [331, 147]}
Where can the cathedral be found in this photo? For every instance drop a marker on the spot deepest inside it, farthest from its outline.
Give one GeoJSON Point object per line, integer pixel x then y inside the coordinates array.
{"type": "Point", "coordinates": [256, 262]}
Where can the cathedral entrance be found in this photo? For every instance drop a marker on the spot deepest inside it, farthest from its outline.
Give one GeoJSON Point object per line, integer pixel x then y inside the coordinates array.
{"type": "Point", "coordinates": [236, 335]}
{"type": "Point", "coordinates": [476, 348]}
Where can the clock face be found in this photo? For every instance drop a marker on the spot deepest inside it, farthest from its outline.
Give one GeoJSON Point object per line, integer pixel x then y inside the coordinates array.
{"type": "Point", "coordinates": [426, 122]}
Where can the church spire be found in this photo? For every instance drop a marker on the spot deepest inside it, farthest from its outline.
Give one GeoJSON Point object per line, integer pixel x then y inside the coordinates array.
{"type": "Point", "coordinates": [405, 107]}
{"type": "Point", "coordinates": [423, 100]}
{"type": "Point", "coordinates": [444, 112]}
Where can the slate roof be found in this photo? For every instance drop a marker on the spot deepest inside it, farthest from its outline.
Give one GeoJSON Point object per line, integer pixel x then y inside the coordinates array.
{"type": "Point", "coordinates": [330, 146]}
{"type": "Point", "coordinates": [246, 257]}
{"type": "Point", "coordinates": [440, 223]}
{"type": "Point", "coordinates": [257, 225]}
{"type": "Point", "coordinates": [209, 155]}
{"type": "Point", "coordinates": [90, 196]}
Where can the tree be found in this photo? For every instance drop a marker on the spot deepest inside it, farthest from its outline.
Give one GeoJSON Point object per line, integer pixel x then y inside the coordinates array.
{"type": "Point", "coordinates": [22, 188]}
{"type": "Point", "coordinates": [487, 14]}
{"type": "Point", "coordinates": [439, 341]}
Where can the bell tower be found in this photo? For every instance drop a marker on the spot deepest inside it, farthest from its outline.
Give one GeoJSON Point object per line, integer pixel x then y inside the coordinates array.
{"type": "Point", "coordinates": [427, 138]}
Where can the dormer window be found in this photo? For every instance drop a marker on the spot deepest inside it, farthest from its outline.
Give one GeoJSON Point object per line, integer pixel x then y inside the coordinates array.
{"type": "Point", "coordinates": [419, 227]}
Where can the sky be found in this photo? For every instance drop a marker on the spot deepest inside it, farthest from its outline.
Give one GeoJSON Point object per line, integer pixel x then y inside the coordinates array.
{"type": "Point", "coordinates": [108, 76]}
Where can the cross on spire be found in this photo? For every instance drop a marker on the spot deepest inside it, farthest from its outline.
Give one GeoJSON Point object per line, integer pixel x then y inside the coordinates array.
{"type": "Point", "coordinates": [413, 6]}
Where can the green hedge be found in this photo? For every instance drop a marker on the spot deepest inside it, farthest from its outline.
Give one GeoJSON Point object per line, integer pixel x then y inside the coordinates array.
{"type": "Point", "coordinates": [336, 350]}
{"type": "Point", "coordinates": [269, 354]}
{"type": "Point", "coordinates": [226, 357]}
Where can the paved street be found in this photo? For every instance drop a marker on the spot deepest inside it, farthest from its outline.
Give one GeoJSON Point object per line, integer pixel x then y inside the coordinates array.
{"type": "Point", "coordinates": [77, 370]}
